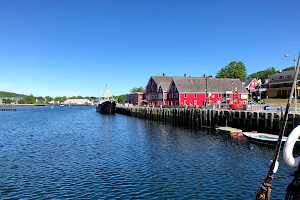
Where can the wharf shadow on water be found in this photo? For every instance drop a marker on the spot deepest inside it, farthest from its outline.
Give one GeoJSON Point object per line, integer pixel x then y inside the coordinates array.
{"type": "Point", "coordinates": [255, 156]}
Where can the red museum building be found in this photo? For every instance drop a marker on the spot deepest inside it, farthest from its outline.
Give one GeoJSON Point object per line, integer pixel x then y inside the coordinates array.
{"type": "Point", "coordinates": [192, 90]}
{"type": "Point", "coordinates": [156, 90]}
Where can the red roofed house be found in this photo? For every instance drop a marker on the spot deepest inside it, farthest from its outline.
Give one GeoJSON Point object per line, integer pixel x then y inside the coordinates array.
{"type": "Point", "coordinates": [192, 90]}
{"type": "Point", "coordinates": [156, 89]}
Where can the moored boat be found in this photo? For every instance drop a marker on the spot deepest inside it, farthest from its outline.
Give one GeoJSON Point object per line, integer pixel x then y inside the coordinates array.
{"type": "Point", "coordinates": [235, 133]}
{"type": "Point", "coordinates": [265, 138]}
{"type": "Point", "coordinates": [106, 105]}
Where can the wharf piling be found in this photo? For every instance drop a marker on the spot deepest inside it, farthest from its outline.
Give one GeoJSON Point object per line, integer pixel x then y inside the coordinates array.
{"type": "Point", "coordinates": [260, 121]}
{"type": "Point", "coordinates": [7, 109]}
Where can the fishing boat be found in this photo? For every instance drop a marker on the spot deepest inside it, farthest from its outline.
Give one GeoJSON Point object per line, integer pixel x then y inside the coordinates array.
{"type": "Point", "coordinates": [106, 105]}
{"type": "Point", "coordinates": [265, 138]}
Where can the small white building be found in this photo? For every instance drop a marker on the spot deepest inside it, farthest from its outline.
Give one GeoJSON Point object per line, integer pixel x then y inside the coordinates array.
{"type": "Point", "coordinates": [78, 102]}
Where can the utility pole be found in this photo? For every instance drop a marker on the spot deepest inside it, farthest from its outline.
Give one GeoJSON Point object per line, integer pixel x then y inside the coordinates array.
{"type": "Point", "coordinates": [294, 59]}
{"type": "Point", "coordinates": [206, 93]}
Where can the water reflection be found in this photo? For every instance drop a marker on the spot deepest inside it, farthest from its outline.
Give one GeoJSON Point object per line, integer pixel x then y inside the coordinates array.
{"type": "Point", "coordinates": [75, 152]}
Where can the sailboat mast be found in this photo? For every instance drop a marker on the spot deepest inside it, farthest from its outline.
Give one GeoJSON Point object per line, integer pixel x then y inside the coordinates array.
{"type": "Point", "coordinates": [107, 92]}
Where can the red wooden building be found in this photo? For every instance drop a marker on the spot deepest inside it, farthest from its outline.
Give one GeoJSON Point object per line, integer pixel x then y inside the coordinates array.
{"type": "Point", "coordinates": [156, 89]}
{"type": "Point", "coordinates": [251, 83]}
{"type": "Point", "coordinates": [135, 98]}
{"type": "Point", "coordinates": [192, 90]}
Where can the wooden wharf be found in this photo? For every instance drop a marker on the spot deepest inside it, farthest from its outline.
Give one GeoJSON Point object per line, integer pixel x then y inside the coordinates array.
{"type": "Point", "coordinates": [260, 121]}
{"type": "Point", "coordinates": [7, 109]}
{"type": "Point", "coordinates": [229, 129]}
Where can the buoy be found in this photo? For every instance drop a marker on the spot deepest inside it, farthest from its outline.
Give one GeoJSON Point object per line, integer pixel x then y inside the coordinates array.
{"type": "Point", "coordinates": [289, 146]}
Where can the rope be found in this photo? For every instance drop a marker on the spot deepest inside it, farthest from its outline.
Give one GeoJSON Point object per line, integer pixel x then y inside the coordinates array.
{"type": "Point", "coordinates": [293, 189]}
{"type": "Point", "coordinates": [264, 192]}
{"type": "Point", "coordinates": [261, 193]}
{"type": "Point", "coordinates": [278, 177]}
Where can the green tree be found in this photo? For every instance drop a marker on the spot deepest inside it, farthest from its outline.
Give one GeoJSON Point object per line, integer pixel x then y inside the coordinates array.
{"type": "Point", "coordinates": [135, 89]}
{"type": "Point", "coordinates": [48, 98]}
{"type": "Point", "coordinates": [8, 101]}
{"type": "Point", "coordinates": [30, 99]}
{"type": "Point", "coordinates": [120, 98]}
{"type": "Point", "coordinates": [41, 102]}
{"type": "Point", "coordinates": [264, 73]}
{"type": "Point", "coordinates": [60, 99]}
{"type": "Point", "coordinates": [233, 70]}
{"type": "Point", "coordinates": [10, 94]}
{"type": "Point", "coordinates": [21, 101]}
{"type": "Point", "coordinates": [289, 68]}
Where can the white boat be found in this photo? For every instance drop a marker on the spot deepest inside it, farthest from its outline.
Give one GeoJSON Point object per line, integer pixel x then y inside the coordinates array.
{"type": "Point", "coordinates": [265, 138]}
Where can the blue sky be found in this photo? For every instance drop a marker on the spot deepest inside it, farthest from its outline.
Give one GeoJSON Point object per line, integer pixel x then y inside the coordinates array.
{"type": "Point", "coordinates": [73, 47]}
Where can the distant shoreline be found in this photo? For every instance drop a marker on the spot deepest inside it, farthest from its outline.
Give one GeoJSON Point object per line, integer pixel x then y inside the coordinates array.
{"type": "Point", "coordinates": [18, 105]}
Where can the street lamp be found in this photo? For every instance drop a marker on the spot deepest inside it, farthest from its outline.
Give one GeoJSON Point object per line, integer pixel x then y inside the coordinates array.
{"type": "Point", "coordinates": [294, 59]}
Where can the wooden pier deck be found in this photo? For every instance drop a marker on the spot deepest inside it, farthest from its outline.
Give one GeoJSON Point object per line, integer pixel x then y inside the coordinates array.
{"type": "Point", "coordinates": [229, 129]}
{"type": "Point", "coordinates": [260, 121]}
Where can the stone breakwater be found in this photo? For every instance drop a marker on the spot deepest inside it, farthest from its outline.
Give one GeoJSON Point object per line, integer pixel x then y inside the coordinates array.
{"type": "Point", "coordinates": [264, 122]}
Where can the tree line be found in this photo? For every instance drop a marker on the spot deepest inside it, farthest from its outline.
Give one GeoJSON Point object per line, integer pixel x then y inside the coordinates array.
{"type": "Point", "coordinates": [232, 70]}
{"type": "Point", "coordinates": [238, 70]}
{"type": "Point", "coordinates": [31, 99]}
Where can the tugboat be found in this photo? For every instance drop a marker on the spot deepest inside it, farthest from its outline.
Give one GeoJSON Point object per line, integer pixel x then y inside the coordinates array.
{"type": "Point", "coordinates": [106, 105]}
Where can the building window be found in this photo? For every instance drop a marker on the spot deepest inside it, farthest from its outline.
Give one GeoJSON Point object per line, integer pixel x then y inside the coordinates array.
{"type": "Point", "coordinates": [184, 102]}
{"type": "Point", "coordinates": [165, 96]}
{"type": "Point", "coordinates": [195, 102]}
{"type": "Point", "coordinates": [173, 89]}
{"type": "Point", "coordinates": [185, 95]}
{"type": "Point", "coordinates": [176, 103]}
{"type": "Point", "coordinates": [195, 95]}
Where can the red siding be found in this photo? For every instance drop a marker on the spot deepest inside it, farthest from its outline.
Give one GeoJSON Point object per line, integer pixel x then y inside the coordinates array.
{"type": "Point", "coordinates": [174, 98]}
{"type": "Point", "coordinates": [135, 98]}
{"type": "Point", "coordinates": [153, 93]}
{"type": "Point", "coordinates": [252, 85]}
{"type": "Point", "coordinates": [200, 98]}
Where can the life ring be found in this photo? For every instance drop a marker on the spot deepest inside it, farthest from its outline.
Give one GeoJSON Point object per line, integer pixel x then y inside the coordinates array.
{"type": "Point", "coordinates": [289, 146]}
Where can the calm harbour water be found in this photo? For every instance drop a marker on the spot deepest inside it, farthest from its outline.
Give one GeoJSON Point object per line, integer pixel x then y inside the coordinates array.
{"type": "Point", "coordinates": [75, 152]}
